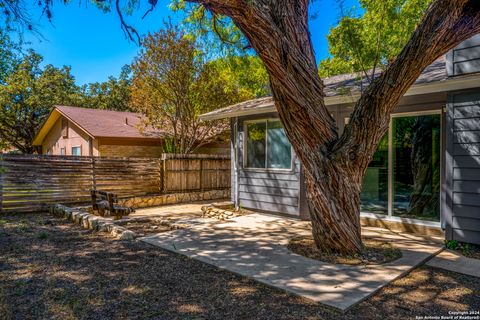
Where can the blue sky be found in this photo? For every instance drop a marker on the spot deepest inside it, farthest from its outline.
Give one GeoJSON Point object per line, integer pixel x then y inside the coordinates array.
{"type": "Point", "coordinates": [92, 43]}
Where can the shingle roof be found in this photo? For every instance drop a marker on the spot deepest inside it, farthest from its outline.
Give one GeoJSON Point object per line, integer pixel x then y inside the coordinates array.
{"type": "Point", "coordinates": [335, 86]}
{"type": "Point", "coordinates": [107, 123]}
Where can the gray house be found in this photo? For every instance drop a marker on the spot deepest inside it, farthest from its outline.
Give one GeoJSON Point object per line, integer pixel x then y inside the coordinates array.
{"type": "Point", "coordinates": [425, 173]}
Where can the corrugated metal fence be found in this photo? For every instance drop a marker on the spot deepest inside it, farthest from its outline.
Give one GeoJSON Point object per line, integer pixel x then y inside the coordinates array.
{"type": "Point", "coordinates": [30, 182]}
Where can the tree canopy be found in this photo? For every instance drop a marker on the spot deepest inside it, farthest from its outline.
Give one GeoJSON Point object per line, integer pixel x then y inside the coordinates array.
{"type": "Point", "coordinates": [26, 97]}
{"type": "Point", "coordinates": [363, 42]}
{"type": "Point", "coordinates": [173, 84]}
{"type": "Point", "coordinates": [113, 94]}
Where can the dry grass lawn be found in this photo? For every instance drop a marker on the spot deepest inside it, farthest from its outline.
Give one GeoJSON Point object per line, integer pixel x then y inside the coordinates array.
{"type": "Point", "coordinates": [50, 269]}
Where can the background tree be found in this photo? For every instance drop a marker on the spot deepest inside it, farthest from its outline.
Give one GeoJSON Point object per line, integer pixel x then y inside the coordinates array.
{"type": "Point", "coordinates": [26, 97]}
{"type": "Point", "coordinates": [364, 42]}
{"type": "Point", "coordinates": [113, 94]}
{"type": "Point", "coordinates": [244, 74]}
{"type": "Point", "coordinates": [9, 58]}
{"type": "Point", "coordinates": [10, 53]}
{"type": "Point", "coordinates": [173, 84]}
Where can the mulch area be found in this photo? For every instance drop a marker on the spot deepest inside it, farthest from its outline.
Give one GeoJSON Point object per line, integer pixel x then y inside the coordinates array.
{"type": "Point", "coordinates": [374, 252]}
{"type": "Point", "coordinates": [50, 269]}
{"type": "Point", "coordinates": [470, 251]}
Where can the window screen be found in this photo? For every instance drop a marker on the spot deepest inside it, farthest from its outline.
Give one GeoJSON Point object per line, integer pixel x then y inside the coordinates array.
{"type": "Point", "coordinates": [256, 144]}
{"type": "Point", "coordinates": [267, 146]}
{"type": "Point", "coordinates": [76, 151]}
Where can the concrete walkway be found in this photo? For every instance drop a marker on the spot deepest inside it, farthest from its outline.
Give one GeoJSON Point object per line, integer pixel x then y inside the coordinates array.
{"type": "Point", "coordinates": [255, 246]}
{"type": "Point", "coordinates": [454, 261]}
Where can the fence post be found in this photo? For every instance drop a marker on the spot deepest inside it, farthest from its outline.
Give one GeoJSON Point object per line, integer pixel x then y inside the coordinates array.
{"type": "Point", "coordinates": [2, 173]}
{"type": "Point", "coordinates": [162, 173]}
{"type": "Point", "coordinates": [94, 178]}
{"type": "Point", "coordinates": [201, 174]}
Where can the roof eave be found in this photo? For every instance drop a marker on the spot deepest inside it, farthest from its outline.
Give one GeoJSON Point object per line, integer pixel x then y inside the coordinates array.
{"type": "Point", "coordinates": [46, 126]}
{"type": "Point", "coordinates": [450, 84]}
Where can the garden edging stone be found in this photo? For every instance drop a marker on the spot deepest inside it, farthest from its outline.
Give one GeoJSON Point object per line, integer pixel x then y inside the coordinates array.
{"type": "Point", "coordinates": [87, 220]}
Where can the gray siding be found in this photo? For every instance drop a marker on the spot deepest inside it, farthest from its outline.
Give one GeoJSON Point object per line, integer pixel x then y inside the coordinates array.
{"type": "Point", "coordinates": [267, 190]}
{"type": "Point", "coordinates": [465, 58]}
{"type": "Point", "coordinates": [462, 188]}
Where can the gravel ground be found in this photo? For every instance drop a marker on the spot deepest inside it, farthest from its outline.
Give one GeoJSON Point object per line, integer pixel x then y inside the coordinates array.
{"type": "Point", "coordinates": [50, 269]}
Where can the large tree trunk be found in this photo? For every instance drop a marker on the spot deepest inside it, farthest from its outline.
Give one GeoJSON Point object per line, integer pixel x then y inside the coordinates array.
{"type": "Point", "coordinates": [334, 166]}
{"type": "Point", "coordinates": [334, 203]}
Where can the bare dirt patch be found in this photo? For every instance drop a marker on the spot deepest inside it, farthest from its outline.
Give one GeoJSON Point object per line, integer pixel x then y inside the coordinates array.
{"type": "Point", "coordinates": [470, 251]}
{"type": "Point", "coordinates": [51, 269]}
{"type": "Point", "coordinates": [374, 252]}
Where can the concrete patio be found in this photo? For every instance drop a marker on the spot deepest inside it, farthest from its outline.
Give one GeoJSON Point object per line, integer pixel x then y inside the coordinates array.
{"type": "Point", "coordinates": [255, 246]}
{"type": "Point", "coordinates": [456, 262]}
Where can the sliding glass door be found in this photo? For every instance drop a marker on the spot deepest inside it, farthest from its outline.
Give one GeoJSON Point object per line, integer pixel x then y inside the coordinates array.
{"type": "Point", "coordinates": [403, 178]}
{"type": "Point", "coordinates": [416, 166]}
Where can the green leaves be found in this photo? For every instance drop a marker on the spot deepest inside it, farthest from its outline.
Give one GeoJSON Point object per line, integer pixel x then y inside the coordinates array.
{"type": "Point", "coordinates": [28, 94]}
{"type": "Point", "coordinates": [113, 94]}
{"type": "Point", "coordinates": [216, 32]}
{"type": "Point", "coordinates": [363, 43]}
{"type": "Point", "coordinates": [174, 82]}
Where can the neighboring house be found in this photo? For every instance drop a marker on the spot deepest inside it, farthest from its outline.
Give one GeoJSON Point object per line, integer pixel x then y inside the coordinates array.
{"type": "Point", "coordinates": [93, 132]}
{"type": "Point", "coordinates": [426, 172]}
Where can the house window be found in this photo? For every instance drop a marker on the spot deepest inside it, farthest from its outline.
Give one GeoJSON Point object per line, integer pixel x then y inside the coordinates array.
{"type": "Point", "coordinates": [267, 146]}
{"type": "Point", "coordinates": [403, 178]}
{"type": "Point", "coordinates": [64, 128]}
{"type": "Point", "coordinates": [77, 151]}
{"type": "Point", "coordinates": [62, 151]}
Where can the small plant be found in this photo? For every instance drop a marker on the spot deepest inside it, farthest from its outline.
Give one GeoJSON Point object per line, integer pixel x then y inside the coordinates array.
{"type": "Point", "coordinates": [451, 244]}
{"type": "Point", "coordinates": [43, 235]}
{"type": "Point", "coordinates": [23, 226]}
{"type": "Point", "coordinates": [3, 222]}
{"type": "Point", "coordinates": [169, 146]}
{"type": "Point", "coordinates": [466, 248]}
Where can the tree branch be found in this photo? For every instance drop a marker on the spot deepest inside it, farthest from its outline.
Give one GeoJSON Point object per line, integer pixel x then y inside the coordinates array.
{"type": "Point", "coordinates": [127, 29]}
{"type": "Point", "coordinates": [445, 25]}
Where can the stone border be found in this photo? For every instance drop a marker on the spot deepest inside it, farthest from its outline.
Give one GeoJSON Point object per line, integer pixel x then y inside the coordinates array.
{"type": "Point", "coordinates": [219, 212]}
{"type": "Point", "coordinates": [174, 198]}
{"type": "Point", "coordinates": [86, 220]}
{"type": "Point", "coordinates": [84, 217]}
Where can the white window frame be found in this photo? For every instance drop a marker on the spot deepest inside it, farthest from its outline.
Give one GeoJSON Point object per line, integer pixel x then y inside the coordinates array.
{"type": "Point", "coordinates": [245, 142]}
{"type": "Point", "coordinates": [390, 210]}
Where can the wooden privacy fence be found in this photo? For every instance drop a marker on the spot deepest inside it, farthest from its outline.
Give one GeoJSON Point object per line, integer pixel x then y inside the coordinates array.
{"type": "Point", "coordinates": [30, 182]}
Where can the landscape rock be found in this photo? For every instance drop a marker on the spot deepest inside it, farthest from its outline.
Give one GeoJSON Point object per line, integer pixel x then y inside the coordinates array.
{"type": "Point", "coordinates": [127, 235]}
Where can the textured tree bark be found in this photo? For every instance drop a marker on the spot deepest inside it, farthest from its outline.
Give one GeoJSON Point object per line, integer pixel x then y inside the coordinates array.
{"type": "Point", "coordinates": [334, 166]}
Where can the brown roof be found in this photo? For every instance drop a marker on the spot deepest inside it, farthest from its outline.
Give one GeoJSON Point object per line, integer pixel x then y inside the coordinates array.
{"type": "Point", "coordinates": [107, 123]}
{"type": "Point", "coordinates": [335, 87]}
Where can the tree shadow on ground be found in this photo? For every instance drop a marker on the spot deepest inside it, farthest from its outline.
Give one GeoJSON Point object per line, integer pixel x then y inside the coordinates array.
{"type": "Point", "coordinates": [51, 269]}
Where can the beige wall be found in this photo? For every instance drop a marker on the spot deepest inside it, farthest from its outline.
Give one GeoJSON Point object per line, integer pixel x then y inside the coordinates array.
{"type": "Point", "coordinates": [54, 141]}
{"type": "Point", "coordinates": [130, 151]}
{"type": "Point", "coordinates": [112, 147]}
